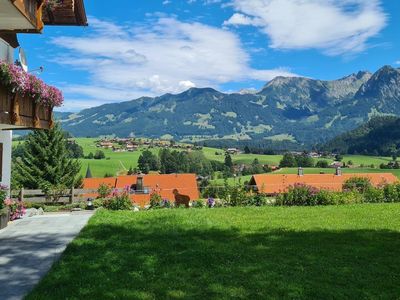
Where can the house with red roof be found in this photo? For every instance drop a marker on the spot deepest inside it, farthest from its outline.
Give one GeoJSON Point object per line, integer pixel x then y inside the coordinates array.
{"type": "Point", "coordinates": [142, 186]}
{"type": "Point", "coordinates": [278, 183]}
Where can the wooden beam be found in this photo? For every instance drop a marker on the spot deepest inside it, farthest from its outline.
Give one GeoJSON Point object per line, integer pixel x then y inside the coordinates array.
{"type": "Point", "coordinates": [31, 10]}
{"type": "Point", "coordinates": [35, 116]}
{"type": "Point", "coordinates": [10, 38]}
{"type": "Point", "coordinates": [14, 110]}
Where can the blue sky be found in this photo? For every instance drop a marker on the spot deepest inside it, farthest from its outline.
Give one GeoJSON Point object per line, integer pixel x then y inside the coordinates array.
{"type": "Point", "coordinates": [148, 48]}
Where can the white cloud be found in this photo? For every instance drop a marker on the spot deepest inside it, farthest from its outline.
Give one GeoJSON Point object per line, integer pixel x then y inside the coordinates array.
{"type": "Point", "coordinates": [160, 57]}
{"type": "Point", "coordinates": [166, 2]}
{"type": "Point", "coordinates": [240, 19]}
{"type": "Point", "coordinates": [205, 2]}
{"type": "Point", "coordinates": [333, 26]}
{"type": "Point", "coordinates": [397, 62]}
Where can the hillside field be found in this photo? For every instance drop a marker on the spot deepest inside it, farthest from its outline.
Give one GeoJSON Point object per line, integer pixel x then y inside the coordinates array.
{"type": "Point", "coordinates": [119, 162]}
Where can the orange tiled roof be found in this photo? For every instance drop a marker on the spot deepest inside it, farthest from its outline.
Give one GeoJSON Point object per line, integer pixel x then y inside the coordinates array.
{"type": "Point", "coordinates": [164, 184]}
{"type": "Point", "coordinates": [278, 183]}
{"type": "Point", "coordinates": [94, 183]}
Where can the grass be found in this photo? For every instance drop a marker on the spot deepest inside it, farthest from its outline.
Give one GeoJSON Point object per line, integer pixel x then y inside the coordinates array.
{"type": "Point", "coordinates": [345, 252]}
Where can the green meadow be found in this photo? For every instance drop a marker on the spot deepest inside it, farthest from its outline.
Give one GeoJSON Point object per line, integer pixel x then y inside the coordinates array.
{"type": "Point", "coordinates": [119, 162]}
{"type": "Point", "coordinates": [332, 252]}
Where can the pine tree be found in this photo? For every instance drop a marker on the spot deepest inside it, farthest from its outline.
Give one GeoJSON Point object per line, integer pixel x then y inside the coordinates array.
{"type": "Point", "coordinates": [46, 161]}
{"type": "Point", "coordinates": [228, 160]}
{"type": "Point", "coordinates": [88, 172]}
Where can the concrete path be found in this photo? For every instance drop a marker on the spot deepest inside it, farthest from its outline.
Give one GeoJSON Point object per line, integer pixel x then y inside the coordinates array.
{"type": "Point", "coordinates": [28, 248]}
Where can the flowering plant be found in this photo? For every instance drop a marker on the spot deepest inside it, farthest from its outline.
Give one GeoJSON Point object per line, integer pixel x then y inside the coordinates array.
{"type": "Point", "coordinates": [3, 195]}
{"type": "Point", "coordinates": [210, 202]}
{"type": "Point", "coordinates": [165, 203]}
{"type": "Point", "coordinates": [118, 200]}
{"type": "Point", "coordinates": [18, 81]}
{"type": "Point", "coordinates": [17, 209]}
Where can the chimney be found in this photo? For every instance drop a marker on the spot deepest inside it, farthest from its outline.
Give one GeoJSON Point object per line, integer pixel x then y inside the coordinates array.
{"type": "Point", "coordinates": [338, 171]}
{"type": "Point", "coordinates": [300, 171]}
{"type": "Point", "coordinates": [139, 183]}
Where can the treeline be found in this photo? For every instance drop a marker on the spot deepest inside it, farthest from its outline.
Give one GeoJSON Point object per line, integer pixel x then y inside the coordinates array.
{"type": "Point", "coordinates": [174, 161]}
{"type": "Point", "coordinates": [290, 160]}
{"type": "Point", "coordinates": [379, 137]}
{"type": "Point", "coordinates": [255, 146]}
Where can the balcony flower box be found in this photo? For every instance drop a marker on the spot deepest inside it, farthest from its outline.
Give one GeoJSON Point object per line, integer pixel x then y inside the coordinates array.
{"type": "Point", "coordinates": [25, 100]}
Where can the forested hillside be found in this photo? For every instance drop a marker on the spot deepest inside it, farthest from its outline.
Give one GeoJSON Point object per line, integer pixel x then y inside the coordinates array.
{"type": "Point", "coordinates": [379, 136]}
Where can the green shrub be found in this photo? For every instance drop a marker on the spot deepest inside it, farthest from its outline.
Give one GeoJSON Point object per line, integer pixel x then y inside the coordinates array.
{"type": "Point", "coordinates": [3, 195]}
{"type": "Point", "coordinates": [220, 203]}
{"type": "Point", "coordinates": [155, 200]}
{"type": "Point", "coordinates": [212, 191]}
{"type": "Point", "coordinates": [104, 190]}
{"type": "Point", "coordinates": [198, 203]}
{"type": "Point", "coordinates": [322, 164]}
{"type": "Point", "coordinates": [257, 200]}
{"type": "Point", "coordinates": [236, 196]}
{"type": "Point", "coordinates": [360, 184]}
{"type": "Point", "coordinates": [36, 205]}
{"type": "Point", "coordinates": [374, 195]}
{"type": "Point", "coordinates": [298, 195]}
{"type": "Point", "coordinates": [391, 192]}
{"type": "Point", "coordinates": [99, 202]}
{"type": "Point", "coordinates": [118, 202]}
{"type": "Point", "coordinates": [303, 195]}
{"type": "Point", "coordinates": [324, 197]}
{"type": "Point", "coordinates": [351, 197]}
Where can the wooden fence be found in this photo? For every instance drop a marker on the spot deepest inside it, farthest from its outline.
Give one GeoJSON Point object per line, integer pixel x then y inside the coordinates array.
{"type": "Point", "coordinates": [68, 196]}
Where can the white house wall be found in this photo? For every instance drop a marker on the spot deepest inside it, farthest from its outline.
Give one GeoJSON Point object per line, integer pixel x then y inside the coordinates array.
{"type": "Point", "coordinates": [6, 53]}
{"type": "Point", "coordinates": [6, 140]}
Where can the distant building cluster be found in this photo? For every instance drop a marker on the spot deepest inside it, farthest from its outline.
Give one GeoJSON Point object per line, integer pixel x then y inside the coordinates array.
{"type": "Point", "coordinates": [133, 144]}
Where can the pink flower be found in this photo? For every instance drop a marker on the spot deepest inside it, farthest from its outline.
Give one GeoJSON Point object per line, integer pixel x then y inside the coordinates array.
{"type": "Point", "coordinates": [18, 81]}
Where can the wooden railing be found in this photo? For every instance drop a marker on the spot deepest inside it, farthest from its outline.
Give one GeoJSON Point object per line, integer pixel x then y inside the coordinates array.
{"type": "Point", "coordinates": [22, 112]}
{"type": "Point", "coordinates": [68, 196]}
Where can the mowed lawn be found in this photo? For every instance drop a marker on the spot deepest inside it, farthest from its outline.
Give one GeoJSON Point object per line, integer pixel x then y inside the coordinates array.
{"type": "Point", "coordinates": [344, 252]}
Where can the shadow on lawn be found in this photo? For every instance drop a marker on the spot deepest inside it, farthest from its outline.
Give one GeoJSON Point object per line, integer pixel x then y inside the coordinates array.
{"type": "Point", "coordinates": [145, 260]}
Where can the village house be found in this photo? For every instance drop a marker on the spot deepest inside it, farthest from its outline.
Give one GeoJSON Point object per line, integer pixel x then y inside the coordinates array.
{"type": "Point", "coordinates": [142, 186]}
{"type": "Point", "coordinates": [278, 183]}
{"type": "Point", "coordinates": [232, 151]}
{"type": "Point", "coordinates": [106, 144]}
{"type": "Point", "coordinates": [18, 108]}
{"type": "Point", "coordinates": [131, 147]}
{"type": "Point", "coordinates": [336, 164]}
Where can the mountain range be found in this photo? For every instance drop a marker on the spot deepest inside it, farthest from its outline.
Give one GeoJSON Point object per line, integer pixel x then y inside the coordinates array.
{"type": "Point", "coordinates": [297, 110]}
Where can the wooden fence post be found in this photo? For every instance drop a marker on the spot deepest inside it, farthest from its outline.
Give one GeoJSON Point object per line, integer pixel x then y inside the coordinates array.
{"type": "Point", "coordinates": [71, 199]}
{"type": "Point", "coordinates": [21, 194]}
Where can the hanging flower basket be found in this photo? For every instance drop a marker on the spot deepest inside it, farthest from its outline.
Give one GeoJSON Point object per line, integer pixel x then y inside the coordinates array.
{"type": "Point", "coordinates": [18, 81]}
{"type": "Point", "coordinates": [25, 100]}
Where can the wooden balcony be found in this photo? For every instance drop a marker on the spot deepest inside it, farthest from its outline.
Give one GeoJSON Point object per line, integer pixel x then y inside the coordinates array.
{"type": "Point", "coordinates": [70, 12]}
{"type": "Point", "coordinates": [21, 16]}
{"type": "Point", "coordinates": [30, 16]}
{"type": "Point", "coordinates": [22, 112]}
